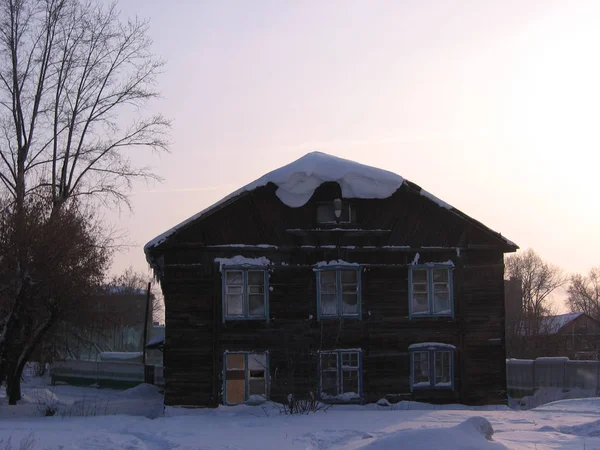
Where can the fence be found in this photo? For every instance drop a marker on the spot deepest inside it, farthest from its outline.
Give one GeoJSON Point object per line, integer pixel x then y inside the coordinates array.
{"type": "Point", "coordinates": [105, 373]}
{"type": "Point", "coordinates": [532, 383]}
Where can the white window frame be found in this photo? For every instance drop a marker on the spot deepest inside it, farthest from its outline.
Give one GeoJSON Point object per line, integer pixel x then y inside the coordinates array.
{"type": "Point", "coordinates": [339, 293]}
{"type": "Point", "coordinates": [245, 288]}
{"type": "Point", "coordinates": [430, 289]}
{"type": "Point", "coordinates": [342, 368]}
{"type": "Point", "coordinates": [431, 353]}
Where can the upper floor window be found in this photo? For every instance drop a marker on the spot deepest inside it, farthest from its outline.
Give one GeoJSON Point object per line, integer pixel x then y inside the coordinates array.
{"type": "Point", "coordinates": [245, 294]}
{"type": "Point", "coordinates": [338, 292]}
{"type": "Point", "coordinates": [432, 366]}
{"type": "Point", "coordinates": [336, 211]}
{"type": "Point", "coordinates": [340, 374]}
{"type": "Point", "coordinates": [430, 291]}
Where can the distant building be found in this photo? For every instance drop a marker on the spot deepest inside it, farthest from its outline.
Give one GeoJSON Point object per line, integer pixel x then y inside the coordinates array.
{"type": "Point", "coordinates": [513, 298]}
{"type": "Point", "coordinates": [575, 335]}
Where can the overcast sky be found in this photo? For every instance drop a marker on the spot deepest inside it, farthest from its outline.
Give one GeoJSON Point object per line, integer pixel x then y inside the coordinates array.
{"type": "Point", "coordinates": [491, 105]}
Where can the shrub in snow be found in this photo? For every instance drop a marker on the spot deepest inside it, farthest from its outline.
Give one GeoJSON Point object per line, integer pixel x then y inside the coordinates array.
{"type": "Point", "coordinates": [27, 443]}
{"type": "Point", "coordinates": [302, 405]}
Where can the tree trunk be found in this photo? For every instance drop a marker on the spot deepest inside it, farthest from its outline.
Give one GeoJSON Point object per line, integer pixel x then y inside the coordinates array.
{"type": "Point", "coordinates": [11, 328]}
{"type": "Point", "coordinates": [14, 384]}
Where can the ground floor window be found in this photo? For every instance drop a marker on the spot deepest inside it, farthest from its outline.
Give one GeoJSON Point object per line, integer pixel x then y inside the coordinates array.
{"type": "Point", "coordinates": [432, 366]}
{"type": "Point", "coordinates": [246, 377]}
{"type": "Point", "coordinates": [340, 374]}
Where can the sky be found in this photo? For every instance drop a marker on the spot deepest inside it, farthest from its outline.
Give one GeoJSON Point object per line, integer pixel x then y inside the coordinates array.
{"type": "Point", "coordinates": [491, 106]}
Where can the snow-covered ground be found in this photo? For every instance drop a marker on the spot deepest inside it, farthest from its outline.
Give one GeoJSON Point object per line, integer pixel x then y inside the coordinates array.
{"type": "Point", "coordinates": [89, 418]}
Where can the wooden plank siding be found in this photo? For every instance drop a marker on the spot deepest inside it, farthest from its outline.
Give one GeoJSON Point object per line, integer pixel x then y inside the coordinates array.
{"type": "Point", "coordinates": [407, 224]}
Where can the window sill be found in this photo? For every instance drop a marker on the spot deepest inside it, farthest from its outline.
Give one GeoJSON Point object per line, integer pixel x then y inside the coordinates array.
{"type": "Point", "coordinates": [356, 317]}
{"type": "Point", "coordinates": [244, 319]}
{"type": "Point", "coordinates": [349, 397]}
{"type": "Point", "coordinates": [428, 315]}
{"type": "Point", "coordinates": [249, 402]}
{"type": "Point", "coordinates": [433, 388]}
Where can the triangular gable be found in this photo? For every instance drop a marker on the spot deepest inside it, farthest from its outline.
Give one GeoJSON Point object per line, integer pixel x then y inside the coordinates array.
{"type": "Point", "coordinates": [296, 183]}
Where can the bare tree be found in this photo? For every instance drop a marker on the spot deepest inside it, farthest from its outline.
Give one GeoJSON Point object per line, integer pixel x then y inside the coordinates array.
{"type": "Point", "coordinates": [66, 260]}
{"type": "Point", "coordinates": [584, 293]}
{"type": "Point", "coordinates": [539, 279]}
{"type": "Point", "coordinates": [70, 71]}
{"type": "Point", "coordinates": [73, 79]}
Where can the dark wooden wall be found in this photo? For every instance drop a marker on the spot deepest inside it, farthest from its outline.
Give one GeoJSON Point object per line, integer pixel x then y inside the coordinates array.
{"type": "Point", "coordinates": [406, 223]}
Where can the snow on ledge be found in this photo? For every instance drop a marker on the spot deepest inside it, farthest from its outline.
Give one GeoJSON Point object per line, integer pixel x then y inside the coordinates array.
{"type": "Point", "coordinates": [415, 262]}
{"type": "Point", "coordinates": [335, 263]}
{"type": "Point", "coordinates": [240, 260]}
{"type": "Point", "coordinates": [434, 345]}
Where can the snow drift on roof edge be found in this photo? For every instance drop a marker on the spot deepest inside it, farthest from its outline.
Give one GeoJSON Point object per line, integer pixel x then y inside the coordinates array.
{"type": "Point", "coordinates": [298, 181]}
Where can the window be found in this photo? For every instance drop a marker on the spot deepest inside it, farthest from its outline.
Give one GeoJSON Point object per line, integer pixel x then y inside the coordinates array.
{"type": "Point", "coordinates": [338, 293]}
{"type": "Point", "coordinates": [326, 212]}
{"type": "Point", "coordinates": [340, 374]}
{"type": "Point", "coordinates": [245, 294]}
{"type": "Point", "coordinates": [432, 366]}
{"type": "Point", "coordinates": [430, 290]}
{"type": "Point", "coordinates": [246, 377]}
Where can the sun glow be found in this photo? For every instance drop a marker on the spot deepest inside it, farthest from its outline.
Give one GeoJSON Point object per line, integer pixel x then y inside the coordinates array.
{"type": "Point", "coordinates": [554, 97]}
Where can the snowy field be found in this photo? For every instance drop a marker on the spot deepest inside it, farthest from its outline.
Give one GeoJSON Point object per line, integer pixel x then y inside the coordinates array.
{"type": "Point", "coordinates": [89, 418]}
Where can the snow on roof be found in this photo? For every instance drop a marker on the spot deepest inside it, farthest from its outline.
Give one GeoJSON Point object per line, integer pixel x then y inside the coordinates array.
{"type": "Point", "coordinates": [296, 183]}
{"type": "Point", "coordinates": [553, 324]}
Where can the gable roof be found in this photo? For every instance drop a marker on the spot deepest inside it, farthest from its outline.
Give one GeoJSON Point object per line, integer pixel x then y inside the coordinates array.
{"type": "Point", "coordinates": [296, 183]}
{"type": "Point", "coordinates": [553, 324]}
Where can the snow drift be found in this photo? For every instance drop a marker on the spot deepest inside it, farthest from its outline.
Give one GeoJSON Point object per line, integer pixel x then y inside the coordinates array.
{"type": "Point", "coordinates": [475, 433]}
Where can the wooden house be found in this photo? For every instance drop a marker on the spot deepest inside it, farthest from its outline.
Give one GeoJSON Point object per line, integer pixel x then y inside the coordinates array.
{"type": "Point", "coordinates": [337, 279]}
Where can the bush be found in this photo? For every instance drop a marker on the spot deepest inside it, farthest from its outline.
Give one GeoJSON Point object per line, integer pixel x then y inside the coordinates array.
{"type": "Point", "coordinates": [26, 443]}
{"type": "Point", "coordinates": [303, 405]}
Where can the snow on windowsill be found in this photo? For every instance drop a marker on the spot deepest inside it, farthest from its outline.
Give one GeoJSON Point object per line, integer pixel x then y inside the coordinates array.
{"type": "Point", "coordinates": [336, 263]}
{"type": "Point", "coordinates": [422, 384]}
{"type": "Point", "coordinates": [255, 399]}
{"type": "Point", "coordinates": [552, 359]}
{"type": "Point", "coordinates": [431, 346]}
{"type": "Point", "coordinates": [240, 260]}
{"type": "Point", "coordinates": [345, 397]}
{"type": "Point", "coordinates": [344, 350]}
